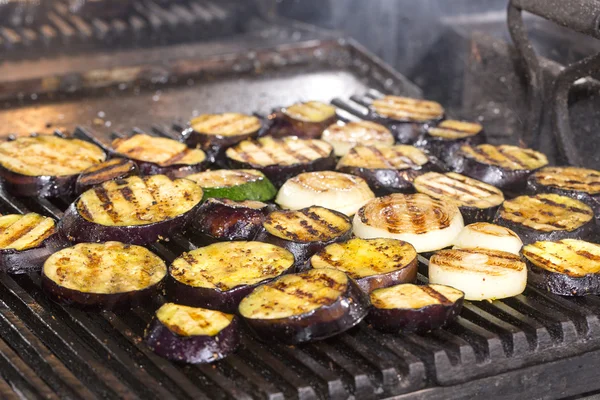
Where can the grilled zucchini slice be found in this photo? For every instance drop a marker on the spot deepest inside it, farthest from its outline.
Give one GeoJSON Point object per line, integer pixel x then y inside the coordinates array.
{"type": "Point", "coordinates": [304, 307]}
{"type": "Point", "coordinates": [45, 166]}
{"type": "Point", "coordinates": [414, 308]}
{"type": "Point", "coordinates": [477, 201]}
{"type": "Point", "coordinates": [235, 184]}
{"type": "Point", "coordinates": [426, 223]}
{"type": "Point", "coordinates": [305, 120]}
{"type": "Point", "coordinates": [192, 335]}
{"type": "Point", "coordinates": [547, 217]}
{"type": "Point", "coordinates": [372, 263]}
{"type": "Point", "coordinates": [103, 275]}
{"type": "Point", "coordinates": [483, 235]}
{"type": "Point", "coordinates": [115, 168]}
{"type": "Point", "coordinates": [480, 273]}
{"type": "Point", "coordinates": [281, 159]}
{"type": "Point", "coordinates": [341, 192]}
{"type": "Point", "coordinates": [220, 275]}
{"type": "Point", "coordinates": [132, 210]}
{"type": "Point", "coordinates": [344, 136]}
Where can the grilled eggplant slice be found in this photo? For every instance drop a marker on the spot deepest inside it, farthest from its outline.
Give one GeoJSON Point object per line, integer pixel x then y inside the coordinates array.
{"type": "Point", "coordinates": [477, 201]}
{"type": "Point", "coordinates": [305, 120]}
{"type": "Point", "coordinates": [506, 167]}
{"type": "Point", "coordinates": [387, 169]}
{"type": "Point", "coordinates": [426, 223]}
{"type": "Point", "coordinates": [305, 232]}
{"type": "Point", "coordinates": [579, 183]}
{"type": "Point", "coordinates": [414, 308]}
{"type": "Point", "coordinates": [568, 267]}
{"type": "Point", "coordinates": [483, 235]}
{"type": "Point", "coordinates": [334, 190]}
{"type": "Point", "coordinates": [192, 335]}
{"type": "Point", "coordinates": [219, 276]}
{"type": "Point", "coordinates": [103, 275]}
{"type": "Point", "coordinates": [132, 210]}
{"type": "Point", "coordinates": [406, 117]}
{"type": "Point", "coordinates": [235, 184]}
{"type": "Point", "coordinates": [45, 166]}
{"type": "Point", "coordinates": [480, 273]}
{"type": "Point", "coordinates": [344, 136]}
{"type": "Point", "coordinates": [547, 217]}
{"type": "Point", "coordinates": [115, 168]}
{"type": "Point", "coordinates": [26, 241]}
{"type": "Point", "coordinates": [445, 139]}
{"type": "Point", "coordinates": [158, 155]}
{"type": "Point", "coordinates": [304, 307]}
{"type": "Point", "coordinates": [372, 263]}
{"type": "Point", "coordinates": [281, 159]}
{"type": "Point", "coordinates": [223, 220]}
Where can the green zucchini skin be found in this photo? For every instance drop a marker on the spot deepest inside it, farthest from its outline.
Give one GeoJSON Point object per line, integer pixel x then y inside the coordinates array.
{"type": "Point", "coordinates": [261, 190]}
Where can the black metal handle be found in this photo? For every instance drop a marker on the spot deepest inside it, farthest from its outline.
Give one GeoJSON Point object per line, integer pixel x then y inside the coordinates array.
{"type": "Point", "coordinates": [579, 15]}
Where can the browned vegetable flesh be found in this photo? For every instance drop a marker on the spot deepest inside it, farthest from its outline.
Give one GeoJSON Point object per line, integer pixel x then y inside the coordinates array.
{"type": "Point", "coordinates": [450, 129]}
{"type": "Point", "coordinates": [398, 157]}
{"type": "Point", "coordinates": [226, 124]}
{"type": "Point", "coordinates": [116, 168]}
{"type": "Point", "coordinates": [267, 151]}
{"type": "Point", "coordinates": [569, 178]}
{"type": "Point", "coordinates": [307, 225]}
{"type": "Point", "coordinates": [161, 151]}
{"type": "Point", "coordinates": [407, 109]}
{"type": "Point", "coordinates": [344, 136]}
{"type": "Point", "coordinates": [506, 156]}
{"type": "Point", "coordinates": [310, 111]}
{"type": "Point", "coordinates": [22, 232]}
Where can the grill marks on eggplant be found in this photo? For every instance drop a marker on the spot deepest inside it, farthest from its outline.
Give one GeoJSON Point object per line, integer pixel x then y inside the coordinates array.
{"type": "Point", "coordinates": [310, 111]}
{"type": "Point", "coordinates": [396, 157]}
{"type": "Point", "coordinates": [286, 151]}
{"type": "Point", "coordinates": [226, 177]}
{"type": "Point", "coordinates": [112, 169]}
{"type": "Point", "coordinates": [161, 151]}
{"type": "Point", "coordinates": [546, 212]}
{"type": "Point", "coordinates": [569, 178]}
{"type": "Point", "coordinates": [462, 190]}
{"type": "Point", "coordinates": [506, 156]}
{"type": "Point", "coordinates": [344, 136]}
{"type": "Point", "coordinates": [572, 257]}
{"type": "Point", "coordinates": [49, 156]}
{"type": "Point", "coordinates": [407, 109]}
{"type": "Point", "coordinates": [138, 201]}
{"type": "Point", "coordinates": [452, 129]}
{"type": "Point", "coordinates": [191, 321]}
{"type": "Point", "coordinates": [307, 225]}
{"type": "Point", "coordinates": [22, 232]}
{"type": "Point", "coordinates": [409, 296]}
{"type": "Point", "coordinates": [226, 124]}
{"type": "Point", "coordinates": [227, 265]}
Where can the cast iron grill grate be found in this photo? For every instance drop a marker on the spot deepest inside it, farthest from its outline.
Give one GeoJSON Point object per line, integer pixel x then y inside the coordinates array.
{"type": "Point", "coordinates": [51, 351]}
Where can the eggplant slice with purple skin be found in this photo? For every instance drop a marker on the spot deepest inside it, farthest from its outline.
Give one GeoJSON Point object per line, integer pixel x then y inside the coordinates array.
{"type": "Point", "coordinates": [305, 232]}
{"type": "Point", "coordinates": [547, 216]}
{"type": "Point", "coordinates": [133, 210]}
{"type": "Point", "coordinates": [115, 168]}
{"type": "Point", "coordinates": [344, 136]}
{"type": "Point", "coordinates": [305, 120]}
{"type": "Point", "coordinates": [406, 117]}
{"type": "Point", "coordinates": [477, 201]}
{"type": "Point", "coordinates": [387, 169]}
{"type": "Point", "coordinates": [372, 263]}
{"type": "Point", "coordinates": [568, 267]}
{"type": "Point", "coordinates": [103, 275]}
{"type": "Point", "coordinates": [305, 307]}
{"type": "Point", "coordinates": [26, 241]}
{"type": "Point", "coordinates": [192, 335]}
{"type": "Point", "coordinates": [414, 308]}
{"type": "Point", "coordinates": [159, 155]}
{"type": "Point", "coordinates": [45, 166]}
{"type": "Point", "coordinates": [506, 167]}
{"type": "Point", "coordinates": [281, 159]}
{"type": "Point", "coordinates": [220, 220]}
{"type": "Point", "coordinates": [445, 139]}
{"type": "Point", "coordinates": [220, 275]}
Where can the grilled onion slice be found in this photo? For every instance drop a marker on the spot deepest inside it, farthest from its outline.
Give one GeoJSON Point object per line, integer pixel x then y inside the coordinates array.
{"type": "Point", "coordinates": [483, 235]}
{"type": "Point", "coordinates": [26, 241]}
{"type": "Point", "coordinates": [281, 159]}
{"type": "Point", "coordinates": [428, 224]}
{"type": "Point", "coordinates": [305, 120]}
{"type": "Point", "coordinates": [103, 275]}
{"type": "Point", "coordinates": [344, 136]}
{"type": "Point", "coordinates": [45, 166]}
{"type": "Point", "coordinates": [158, 155]}
{"type": "Point", "coordinates": [220, 275]}
{"type": "Point", "coordinates": [372, 263]}
{"type": "Point", "coordinates": [547, 217]}
{"type": "Point", "coordinates": [568, 267]}
{"type": "Point", "coordinates": [386, 169]}
{"type": "Point", "coordinates": [506, 167]}
{"type": "Point", "coordinates": [235, 184]}
{"type": "Point", "coordinates": [481, 274]}
{"type": "Point", "coordinates": [192, 335]}
{"type": "Point", "coordinates": [341, 192]}
{"type": "Point", "coordinates": [304, 307]}
{"type": "Point", "coordinates": [115, 168]}
{"type": "Point", "coordinates": [476, 200]}
{"type": "Point", "coordinates": [413, 308]}
{"type": "Point", "coordinates": [132, 210]}
{"type": "Point", "coordinates": [305, 232]}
